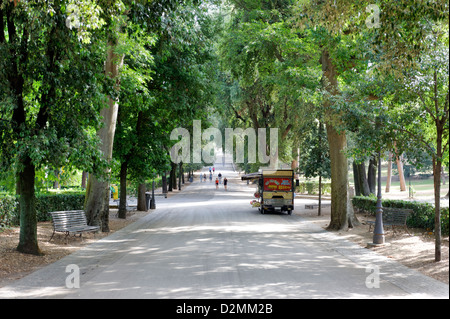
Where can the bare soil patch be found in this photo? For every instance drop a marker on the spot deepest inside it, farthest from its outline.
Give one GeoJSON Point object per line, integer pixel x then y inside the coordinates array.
{"type": "Point", "coordinates": [416, 251]}
{"type": "Point", "coordinates": [15, 265]}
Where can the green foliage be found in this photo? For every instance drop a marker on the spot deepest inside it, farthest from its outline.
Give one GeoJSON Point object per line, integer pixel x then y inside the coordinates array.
{"type": "Point", "coordinates": [315, 157]}
{"type": "Point", "coordinates": [312, 188]}
{"type": "Point", "coordinates": [422, 217]}
{"type": "Point", "coordinates": [445, 220]}
{"type": "Point", "coordinates": [60, 202]}
{"type": "Point", "coordinates": [9, 212]}
{"type": "Point", "coordinates": [271, 72]}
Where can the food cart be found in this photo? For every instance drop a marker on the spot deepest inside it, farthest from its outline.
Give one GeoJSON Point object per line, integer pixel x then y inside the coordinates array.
{"type": "Point", "coordinates": [275, 190]}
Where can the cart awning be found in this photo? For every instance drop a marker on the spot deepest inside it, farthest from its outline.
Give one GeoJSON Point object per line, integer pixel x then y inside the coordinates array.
{"type": "Point", "coordinates": [251, 176]}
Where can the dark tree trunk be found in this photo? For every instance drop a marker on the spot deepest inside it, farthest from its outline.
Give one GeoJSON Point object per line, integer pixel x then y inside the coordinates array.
{"type": "Point", "coordinates": [141, 205]}
{"type": "Point", "coordinates": [360, 179]}
{"type": "Point", "coordinates": [164, 183]}
{"type": "Point", "coordinates": [372, 174]}
{"type": "Point", "coordinates": [123, 190]}
{"type": "Point", "coordinates": [28, 242]}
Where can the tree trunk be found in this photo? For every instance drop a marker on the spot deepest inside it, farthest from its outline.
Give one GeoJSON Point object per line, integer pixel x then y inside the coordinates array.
{"type": "Point", "coordinates": [437, 164]}
{"type": "Point", "coordinates": [443, 176]}
{"type": "Point", "coordinates": [319, 211]}
{"type": "Point", "coordinates": [164, 183]}
{"type": "Point", "coordinates": [180, 175]}
{"type": "Point", "coordinates": [361, 179]}
{"type": "Point", "coordinates": [97, 193]}
{"type": "Point", "coordinates": [372, 174]}
{"type": "Point", "coordinates": [173, 177]}
{"type": "Point", "coordinates": [97, 203]}
{"type": "Point", "coordinates": [389, 174]}
{"type": "Point", "coordinates": [401, 175]}
{"type": "Point", "coordinates": [356, 179]}
{"type": "Point", "coordinates": [339, 179]}
{"type": "Point", "coordinates": [28, 242]}
{"type": "Point", "coordinates": [18, 51]}
{"type": "Point", "coordinates": [83, 179]}
{"type": "Point", "coordinates": [338, 142]}
{"type": "Point", "coordinates": [123, 190]}
{"type": "Point", "coordinates": [141, 205]}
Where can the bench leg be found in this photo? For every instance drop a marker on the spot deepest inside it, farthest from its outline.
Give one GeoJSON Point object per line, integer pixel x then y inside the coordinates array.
{"type": "Point", "coordinates": [52, 236]}
{"type": "Point", "coordinates": [407, 230]}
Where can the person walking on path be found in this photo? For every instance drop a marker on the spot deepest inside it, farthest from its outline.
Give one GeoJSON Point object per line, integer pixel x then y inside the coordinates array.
{"type": "Point", "coordinates": [204, 177]}
{"type": "Point", "coordinates": [225, 182]}
{"type": "Point", "coordinates": [217, 183]}
{"type": "Point", "coordinates": [220, 178]}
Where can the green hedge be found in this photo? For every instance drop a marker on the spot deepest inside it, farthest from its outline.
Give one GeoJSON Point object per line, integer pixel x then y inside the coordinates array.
{"type": "Point", "coordinates": [312, 188]}
{"type": "Point", "coordinates": [423, 216]}
{"type": "Point", "coordinates": [55, 203]}
{"type": "Point", "coordinates": [9, 212]}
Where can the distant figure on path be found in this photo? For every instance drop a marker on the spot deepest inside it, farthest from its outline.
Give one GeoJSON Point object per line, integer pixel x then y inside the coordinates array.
{"type": "Point", "coordinates": [220, 178]}
{"type": "Point", "coordinates": [225, 182]}
{"type": "Point", "coordinates": [217, 183]}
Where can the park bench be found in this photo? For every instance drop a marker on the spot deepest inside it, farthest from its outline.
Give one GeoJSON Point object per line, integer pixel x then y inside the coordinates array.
{"type": "Point", "coordinates": [394, 218]}
{"type": "Point", "coordinates": [71, 222]}
{"type": "Point", "coordinates": [314, 206]}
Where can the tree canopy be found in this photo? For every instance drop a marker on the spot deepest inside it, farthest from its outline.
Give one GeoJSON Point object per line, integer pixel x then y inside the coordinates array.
{"type": "Point", "coordinates": [99, 85]}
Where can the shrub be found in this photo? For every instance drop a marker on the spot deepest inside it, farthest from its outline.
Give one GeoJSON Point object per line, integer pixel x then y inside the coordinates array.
{"type": "Point", "coordinates": [444, 221]}
{"type": "Point", "coordinates": [9, 207]}
{"type": "Point", "coordinates": [312, 188]}
{"type": "Point", "coordinates": [422, 216]}
{"type": "Point", "coordinates": [8, 211]}
{"type": "Point", "coordinates": [59, 202]}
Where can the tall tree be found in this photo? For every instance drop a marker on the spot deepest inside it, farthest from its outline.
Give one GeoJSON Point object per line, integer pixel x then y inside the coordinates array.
{"type": "Point", "coordinates": [424, 113]}
{"type": "Point", "coordinates": [117, 16]}
{"type": "Point", "coordinates": [49, 95]}
{"type": "Point", "coordinates": [272, 81]}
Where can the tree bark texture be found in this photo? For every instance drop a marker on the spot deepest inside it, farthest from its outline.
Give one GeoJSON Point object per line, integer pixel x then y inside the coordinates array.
{"type": "Point", "coordinates": [401, 175]}
{"type": "Point", "coordinates": [141, 205]}
{"type": "Point", "coordinates": [342, 215]}
{"type": "Point", "coordinates": [97, 193]}
{"type": "Point", "coordinates": [28, 242]}
{"type": "Point", "coordinates": [339, 179]}
{"type": "Point", "coordinates": [372, 174]}
{"type": "Point", "coordinates": [123, 190]}
{"type": "Point", "coordinates": [389, 174]}
{"type": "Point", "coordinates": [360, 179]}
{"type": "Point", "coordinates": [437, 164]}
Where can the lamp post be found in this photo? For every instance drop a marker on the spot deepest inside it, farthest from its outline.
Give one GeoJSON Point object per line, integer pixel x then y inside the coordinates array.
{"type": "Point", "coordinates": [378, 233]}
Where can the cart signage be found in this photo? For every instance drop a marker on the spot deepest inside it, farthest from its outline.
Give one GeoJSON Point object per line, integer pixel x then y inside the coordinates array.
{"type": "Point", "coordinates": [277, 184]}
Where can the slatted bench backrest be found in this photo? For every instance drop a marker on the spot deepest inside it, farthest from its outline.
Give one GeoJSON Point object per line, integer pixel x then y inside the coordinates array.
{"type": "Point", "coordinates": [66, 220]}
{"type": "Point", "coordinates": [396, 215]}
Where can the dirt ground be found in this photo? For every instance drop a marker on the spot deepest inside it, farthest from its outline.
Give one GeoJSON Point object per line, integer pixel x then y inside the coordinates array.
{"type": "Point", "coordinates": [416, 251]}
{"type": "Point", "coordinates": [15, 265]}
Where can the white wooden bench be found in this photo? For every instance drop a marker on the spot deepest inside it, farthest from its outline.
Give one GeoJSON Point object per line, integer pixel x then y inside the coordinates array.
{"type": "Point", "coordinates": [71, 222]}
